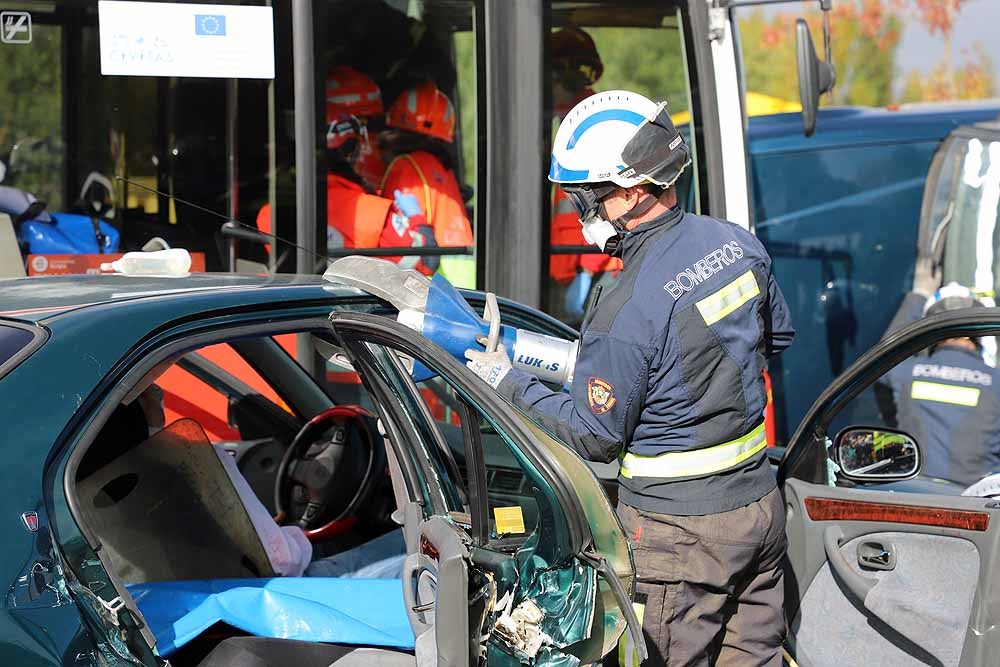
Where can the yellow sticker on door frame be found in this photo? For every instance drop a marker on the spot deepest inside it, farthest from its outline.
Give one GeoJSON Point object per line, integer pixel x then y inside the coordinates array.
{"type": "Point", "coordinates": [510, 520]}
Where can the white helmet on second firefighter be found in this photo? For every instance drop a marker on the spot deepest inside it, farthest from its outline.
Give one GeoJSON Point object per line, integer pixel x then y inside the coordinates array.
{"type": "Point", "coordinates": [609, 140]}
{"type": "Point", "coordinates": [952, 296]}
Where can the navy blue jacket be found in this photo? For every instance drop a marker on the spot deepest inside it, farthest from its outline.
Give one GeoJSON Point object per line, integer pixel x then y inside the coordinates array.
{"type": "Point", "coordinates": [671, 360]}
{"type": "Point", "coordinates": [949, 402]}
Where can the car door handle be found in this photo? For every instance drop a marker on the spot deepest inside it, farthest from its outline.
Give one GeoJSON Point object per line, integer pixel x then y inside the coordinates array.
{"type": "Point", "coordinates": [876, 555]}
{"type": "Point", "coordinates": [856, 584]}
{"type": "Point", "coordinates": [421, 608]}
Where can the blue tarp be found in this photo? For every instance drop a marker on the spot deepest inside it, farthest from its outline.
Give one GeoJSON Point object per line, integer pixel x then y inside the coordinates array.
{"type": "Point", "coordinates": [368, 612]}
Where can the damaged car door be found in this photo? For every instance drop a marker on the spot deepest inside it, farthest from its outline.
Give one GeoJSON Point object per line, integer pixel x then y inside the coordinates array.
{"type": "Point", "coordinates": [514, 553]}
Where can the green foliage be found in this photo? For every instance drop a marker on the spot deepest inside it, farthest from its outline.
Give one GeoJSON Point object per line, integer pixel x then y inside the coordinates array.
{"type": "Point", "coordinates": [465, 64]}
{"type": "Point", "coordinates": [864, 55]}
{"type": "Point", "coordinates": [31, 113]}
{"type": "Point", "coordinates": [649, 61]}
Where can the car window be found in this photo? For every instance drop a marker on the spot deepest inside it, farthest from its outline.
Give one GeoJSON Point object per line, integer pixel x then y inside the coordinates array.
{"type": "Point", "coordinates": [947, 400]}
{"type": "Point", "coordinates": [201, 385]}
{"type": "Point", "coordinates": [12, 341]}
{"type": "Point", "coordinates": [513, 510]}
{"type": "Point", "coordinates": [447, 425]}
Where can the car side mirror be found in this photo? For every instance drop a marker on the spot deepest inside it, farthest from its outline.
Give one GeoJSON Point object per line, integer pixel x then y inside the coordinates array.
{"type": "Point", "coordinates": [815, 76]}
{"type": "Point", "coordinates": [876, 454]}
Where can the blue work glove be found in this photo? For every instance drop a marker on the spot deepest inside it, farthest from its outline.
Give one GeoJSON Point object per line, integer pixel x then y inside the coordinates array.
{"type": "Point", "coordinates": [576, 293]}
{"type": "Point", "coordinates": [407, 204]}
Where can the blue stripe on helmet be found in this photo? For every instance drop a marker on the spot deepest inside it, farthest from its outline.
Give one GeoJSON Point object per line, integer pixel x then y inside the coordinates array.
{"type": "Point", "coordinates": [600, 117]}
{"type": "Point", "coordinates": [560, 174]}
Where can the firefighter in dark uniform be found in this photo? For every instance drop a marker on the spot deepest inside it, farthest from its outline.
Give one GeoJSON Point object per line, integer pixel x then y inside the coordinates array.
{"type": "Point", "coordinates": [949, 401]}
{"type": "Point", "coordinates": [669, 380]}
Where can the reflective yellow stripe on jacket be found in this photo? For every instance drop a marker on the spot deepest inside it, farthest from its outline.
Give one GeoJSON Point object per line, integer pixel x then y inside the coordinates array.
{"type": "Point", "coordinates": [716, 306]}
{"type": "Point", "coordinates": [944, 393]}
{"type": "Point", "coordinates": [628, 655]}
{"type": "Point", "coordinates": [698, 462]}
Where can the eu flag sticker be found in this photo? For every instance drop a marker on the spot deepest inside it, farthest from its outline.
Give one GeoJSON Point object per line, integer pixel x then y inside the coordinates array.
{"type": "Point", "coordinates": [213, 25]}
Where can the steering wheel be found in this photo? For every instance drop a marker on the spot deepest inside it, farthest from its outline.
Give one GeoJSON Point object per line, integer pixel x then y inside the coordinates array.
{"type": "Point", "coordinates": [336, 476]}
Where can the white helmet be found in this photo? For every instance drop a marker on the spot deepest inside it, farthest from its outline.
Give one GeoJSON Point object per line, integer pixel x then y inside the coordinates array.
{"type": "Point", "coordinates": [952, 296]}
{"type": "Point", "coordinates": [619, 137]}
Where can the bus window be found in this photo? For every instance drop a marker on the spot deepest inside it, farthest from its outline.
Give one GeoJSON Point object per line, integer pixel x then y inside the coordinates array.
{"type": "Point", "coordinates": [400, 108]}
{"type": "Point", "coordinates": [31, 145]}
{"type": "Point", "coordinates": [595, 47]}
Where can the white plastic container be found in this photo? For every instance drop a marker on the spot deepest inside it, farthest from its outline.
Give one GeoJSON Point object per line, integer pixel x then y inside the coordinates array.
{"type": "Point", "coordinates": [172, 262]}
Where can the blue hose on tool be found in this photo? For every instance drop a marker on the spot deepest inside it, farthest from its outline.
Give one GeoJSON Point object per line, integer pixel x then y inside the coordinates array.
{"type": "Point", "coordinates": [436, 309]}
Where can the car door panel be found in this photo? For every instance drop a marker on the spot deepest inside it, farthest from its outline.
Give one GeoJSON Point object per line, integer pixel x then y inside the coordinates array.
{"type": "Point", "coordinates": [521, 603]}
{"type": "Point", "coordinates": [436, 594]}
{"type": "Point", "coordinates": [912, 602]}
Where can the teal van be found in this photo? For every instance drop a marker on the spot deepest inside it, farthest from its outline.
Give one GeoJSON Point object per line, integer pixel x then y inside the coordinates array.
{"type": "Point", "coordinates": [839, 213]}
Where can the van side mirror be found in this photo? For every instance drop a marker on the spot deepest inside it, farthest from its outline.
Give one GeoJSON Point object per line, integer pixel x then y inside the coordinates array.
{"type": "Point", "coordinates": [876, 454]}
{"type": "Point", "coordinates": [815, 76]}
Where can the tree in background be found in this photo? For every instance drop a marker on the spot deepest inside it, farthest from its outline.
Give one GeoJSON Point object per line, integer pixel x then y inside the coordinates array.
{"type": "Point", "coordinates": [975, 79]}
{"type": "Point", "coordinates": [866, 35]}
{"type": "Point", "coordinates": [31, 114]}
{"type": "Point", "coordinates": [649, 61]}
{"type": "Point", "coordinates": [938, 16]}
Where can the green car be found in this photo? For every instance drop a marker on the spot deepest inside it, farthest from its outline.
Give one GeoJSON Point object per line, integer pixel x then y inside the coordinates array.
{"type": "Point", "coordinates": [129, 541]}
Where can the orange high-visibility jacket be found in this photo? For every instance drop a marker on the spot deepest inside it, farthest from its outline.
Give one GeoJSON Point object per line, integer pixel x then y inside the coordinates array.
{"type": "Point", "coordinates": [363, 220]}
{"type": "Point", "coordinates": [423, 176]}
{"type": "Point", "coordinates": [359, 217]}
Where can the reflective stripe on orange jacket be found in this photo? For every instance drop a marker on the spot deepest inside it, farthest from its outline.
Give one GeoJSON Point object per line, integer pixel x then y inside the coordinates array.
{"type": "Point", "coordinates": [423, 176]}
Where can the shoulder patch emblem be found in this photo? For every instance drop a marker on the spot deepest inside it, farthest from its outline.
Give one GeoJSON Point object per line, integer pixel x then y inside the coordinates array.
{"type": "Point", "coordinates": [600, 395]}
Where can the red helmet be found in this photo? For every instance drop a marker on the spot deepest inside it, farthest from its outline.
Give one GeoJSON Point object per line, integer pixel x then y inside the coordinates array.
{"type": "Point", "coordinates": [349, 93]}
{"type": "Point", "coordinates": [574, 55]}
{"type": "Point", "coordinates": [423, 109]}
{"type": "Point", "coordinates": [350, 96]}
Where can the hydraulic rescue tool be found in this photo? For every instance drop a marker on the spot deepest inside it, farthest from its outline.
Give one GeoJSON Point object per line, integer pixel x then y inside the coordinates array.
{"type": "Point", "coordinates": [437, 310]}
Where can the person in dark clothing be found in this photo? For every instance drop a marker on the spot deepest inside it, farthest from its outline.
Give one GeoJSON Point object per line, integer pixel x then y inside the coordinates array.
{"type": "Point", "coordinates": [949, 401]}
{"type": "Point", "coordinates": [669, 380]}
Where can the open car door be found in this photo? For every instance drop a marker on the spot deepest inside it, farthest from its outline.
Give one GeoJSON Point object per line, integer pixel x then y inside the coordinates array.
{"type": "Point", "coordinates": [887, 569]}
{"type": "Point", "coordinates": [514, 553]}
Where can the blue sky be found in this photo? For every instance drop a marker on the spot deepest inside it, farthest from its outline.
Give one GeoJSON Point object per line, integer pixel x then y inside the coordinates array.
{"type": "Point", "coordinates": [978, 21]}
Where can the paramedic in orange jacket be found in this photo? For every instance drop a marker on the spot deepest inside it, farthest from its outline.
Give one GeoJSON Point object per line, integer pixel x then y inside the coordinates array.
{"type": "Point", "coordinates": [356, 216]}
{"type": "Point", "coordinates": [418, 145]}
{"type": "Point", "coordinates": [576, 66]}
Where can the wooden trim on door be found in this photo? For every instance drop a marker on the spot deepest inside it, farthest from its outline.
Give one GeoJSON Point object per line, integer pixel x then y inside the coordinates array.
{"type": "Point", "coordinates": [828, 509]}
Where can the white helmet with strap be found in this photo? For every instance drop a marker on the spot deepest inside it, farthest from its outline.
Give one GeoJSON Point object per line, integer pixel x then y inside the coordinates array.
{"type": "Point", "coordinates": [618, 137]}
{"type": "Point", "coordinates": [952, 296]}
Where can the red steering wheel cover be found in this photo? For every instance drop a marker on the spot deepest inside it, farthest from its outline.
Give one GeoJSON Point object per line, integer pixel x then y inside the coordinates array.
{"type": "Point", "coordinates": [337, 526]}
